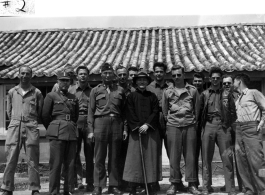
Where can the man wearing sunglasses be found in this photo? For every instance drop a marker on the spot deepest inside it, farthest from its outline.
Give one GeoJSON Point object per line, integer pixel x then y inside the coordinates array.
{"type": "Point", "coordinates": [228, 87]}
{"type": "Point", "coordinates": [180, 107]}
{"type": "Point", "coordinates": [217, 115]}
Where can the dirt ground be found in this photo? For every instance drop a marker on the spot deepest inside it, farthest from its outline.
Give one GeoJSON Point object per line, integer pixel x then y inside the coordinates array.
{"type": "Point", "coordinates": [218, 181]}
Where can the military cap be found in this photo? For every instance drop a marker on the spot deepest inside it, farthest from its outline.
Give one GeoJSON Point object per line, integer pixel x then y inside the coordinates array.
{"type": "Point", "coordinates": [105, 67]}
{"type": "Point", "coordinates": [63, 75]}
{"type": "Point", "coordinates": [142, 74]}
{"type": "Point", "coordinates": [68, 68]}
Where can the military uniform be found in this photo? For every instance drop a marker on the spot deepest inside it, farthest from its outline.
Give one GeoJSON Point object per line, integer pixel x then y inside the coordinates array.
{"type": "Point", "coordinates": [217, 116]}
{"type": "Point", "coordinates": [180, 108]}
{"type": "Point", "coordinates": [83, 99]}
{"type": "Point", "coordinates": [124, 146]}
{"type": "Point", "coordinates": [105, 121]}
{"type": "Point", "coordinates": [24, 111]}
{"type": "Point", "coordinates": [60, 114]}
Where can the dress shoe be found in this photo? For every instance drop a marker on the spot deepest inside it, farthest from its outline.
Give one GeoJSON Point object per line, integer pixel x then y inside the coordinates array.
{"type": "Point", "coordinates": [232, 192]}
{"type": "Point", "coordinates": [35, 192]}
{"type": "Point", "coordinates": [193, 189]}
{"type": "Point", "coordinates": [243, 190]}
{"type": "Point", "coordinates": [223, 188]}
{"type": "Point", "coordinates": [180, 187]}
{"type": "Point", "coordinates": [249, 192]}
{"type": "Point", "coordinates": [172, 189]}
{"type": "Point", "coordinates": [205, 192]}
{"type": "Point", "coordinates": [152, 189]}
{"type": "Point", "coordinates": [89, 187]}
{"type": "Point", "coordinates": [97, 191]}
{"type": "Point", "coordinates": [67, 193]}
{"type": "Point", "coordinates": [114, 190]}
{"type": "Point", "coordinates": [210, 189]}
{"type": "Point", "coordinates": [133, 191]}
{"type": "Point", "coordinates": [80, 186]}
{"type": "Point", "coordinates": [5, 192]}
{"type": "Point", "coordinates": [157, 186]}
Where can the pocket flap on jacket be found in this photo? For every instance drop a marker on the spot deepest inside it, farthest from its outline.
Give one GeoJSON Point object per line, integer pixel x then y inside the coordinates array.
{"type": "Point", "coordinates": [53, 129]}
{"type": "Point", "coordinates": [118, 96]}
{"type": "Point", "coordinates": [100, 96]}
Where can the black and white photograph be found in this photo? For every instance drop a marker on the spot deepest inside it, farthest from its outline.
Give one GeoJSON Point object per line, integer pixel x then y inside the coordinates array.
{"type": "Point", "coordinates": [132, 97]}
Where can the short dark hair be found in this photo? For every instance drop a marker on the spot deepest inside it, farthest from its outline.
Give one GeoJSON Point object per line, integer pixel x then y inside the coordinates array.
{"type": "Point", "coordinates": [178, 67]}
{"type": "Point", "coordinates": [215, 70]}
{"type": "Point", "coordinates": [199, 75]}
{"type": "Point", "coordinates": [243, 77]}
{"type": "Point", "coordinates": [227, 76]}
{"type": "Point", "coordinates": [24, 66]}
{"type": "Point", "coordinates": [133, 68]}
{"type": "Point", "coordinates": [161, 65]}
{"type": "Point", "coordinates": [120, 67]}
{"type": "Point", "coordinates": [82, 68]}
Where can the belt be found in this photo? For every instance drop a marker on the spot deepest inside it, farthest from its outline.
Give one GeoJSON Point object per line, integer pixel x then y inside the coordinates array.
{"type": "Point", "coordinates": [82, 112]}
{"type": "Point", "coordinates": [66, 117]}
{"type": "Point", "coordinates": [214, 118]}
{"type": "Point", "coordinates": [247, 123]}
{"type": "Point", "coordinates": [106, 115]}
{"type": "Point", "coordinates": [22, 118]}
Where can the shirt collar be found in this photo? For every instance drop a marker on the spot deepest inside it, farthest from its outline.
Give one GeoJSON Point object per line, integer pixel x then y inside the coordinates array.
{"type": "Point", "coordinates": [78, 86]}
{"type": "Point", "coordinates": [156, 85]}
{"type": "Point", "coordinates": [215, 91]}
{"type": "Point", "coordinates": [137, 89]}
{"type": "Point", "coordinates": [245, 91]}
{"type": "Point", "coordinates": [19, 89]}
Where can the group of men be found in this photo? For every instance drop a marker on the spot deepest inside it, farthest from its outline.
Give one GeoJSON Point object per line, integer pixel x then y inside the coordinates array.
{"type": "Point", "coordinates": [127, 118]}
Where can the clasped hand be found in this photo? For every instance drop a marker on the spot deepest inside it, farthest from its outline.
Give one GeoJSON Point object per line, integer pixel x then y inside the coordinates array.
{"type": "Point", "coordinates": [143, 129]}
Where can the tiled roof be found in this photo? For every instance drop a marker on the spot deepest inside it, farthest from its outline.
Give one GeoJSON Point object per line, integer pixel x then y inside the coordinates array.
{"type": "Point", "coordinates": [238, 47]}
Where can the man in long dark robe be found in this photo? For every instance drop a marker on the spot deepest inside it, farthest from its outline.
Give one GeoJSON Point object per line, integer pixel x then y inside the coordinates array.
{"type": "Point", "coordinates": [143, 109]}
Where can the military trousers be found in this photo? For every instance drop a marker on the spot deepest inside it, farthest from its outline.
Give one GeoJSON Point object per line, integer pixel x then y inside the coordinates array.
{"type": "Point", "coordinates": [18, 134]}
{"type": "Point", "coordinates": [61, 151]}
{"type": "Point", "coordinates": [233, 135]}
{"type": "Point", "coordinates": [88, 152]}
{"type": "Point", "coordinates": [122, 156]}
{"type": "Point", "coordinates": [108, 134]}
{"type": "Point", "coordinates": [250, 156]}
{"type": "Point", "coordinates": [178, 139]}
{"type": "Point", "coordinates": [213, 132]}
{"type": "Point", "coordinates": [198, 152]}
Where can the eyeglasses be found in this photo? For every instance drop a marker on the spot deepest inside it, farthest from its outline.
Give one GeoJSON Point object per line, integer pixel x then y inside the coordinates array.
{"type": "Point", "coordinates": [215, 78]}
{"type": "Point", "coordinates": [176, 75]}
{"type": "Point", "coordinates": [227, 83]}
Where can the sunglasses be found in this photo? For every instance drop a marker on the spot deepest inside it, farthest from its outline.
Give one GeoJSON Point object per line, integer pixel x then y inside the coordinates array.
{"type": "Point", "coordinates": [227, 83]}
{"type": "Point", "coordinates": [176, 75]}
{"type": "Point", "coordinates": [215, 78]}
